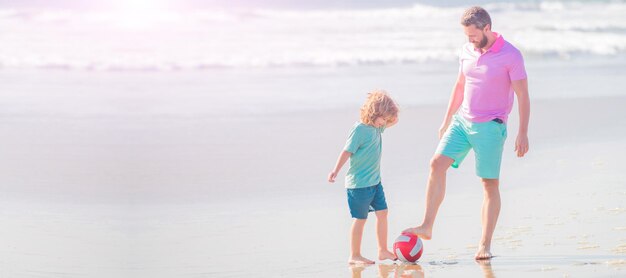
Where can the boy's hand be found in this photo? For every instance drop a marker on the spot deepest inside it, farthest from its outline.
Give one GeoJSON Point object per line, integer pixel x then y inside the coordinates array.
{"type": "Point", "coordinates": [332, 176]}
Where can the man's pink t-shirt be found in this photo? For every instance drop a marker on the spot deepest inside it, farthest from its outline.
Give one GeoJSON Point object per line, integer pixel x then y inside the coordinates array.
{"type": "Point", "coordinates": [488, 93]}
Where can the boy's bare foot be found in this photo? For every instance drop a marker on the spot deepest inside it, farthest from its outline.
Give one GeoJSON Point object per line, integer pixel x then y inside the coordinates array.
{"type": "Point", "coordinates": [420, 231]}
{"type": "Point", "coordinates": [386, 255]}
{"type": "Point", "coordinates": [483, 253]}
{"type": "Point", "coordinates": [359, 260]}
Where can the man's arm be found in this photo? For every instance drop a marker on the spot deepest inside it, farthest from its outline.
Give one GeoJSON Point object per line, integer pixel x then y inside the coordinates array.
{"type": "Point", "coordinates": [521, 90]}
{"type": "Point", "coordinates": [455, 102]}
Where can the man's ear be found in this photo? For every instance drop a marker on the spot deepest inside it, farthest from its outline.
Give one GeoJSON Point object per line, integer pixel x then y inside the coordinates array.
{"type": "Point", "coordinates": [487, 27]}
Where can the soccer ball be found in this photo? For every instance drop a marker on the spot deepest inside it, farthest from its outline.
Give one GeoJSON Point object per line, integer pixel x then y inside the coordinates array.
{"type": "Point", "coordinates": [408, 248]}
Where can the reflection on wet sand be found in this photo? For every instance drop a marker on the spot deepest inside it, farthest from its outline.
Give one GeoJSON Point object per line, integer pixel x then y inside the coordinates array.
{"type": "Point", "coordinates": [411, 270]}
{"type": "Point", "coordinates": [485, 265]}
{"type": "Point", "coordinates": [408, 271]}
{"type": "Point", "coordinates": [356, 269]}
{"type": "Point", "coordinates": [391, 270]}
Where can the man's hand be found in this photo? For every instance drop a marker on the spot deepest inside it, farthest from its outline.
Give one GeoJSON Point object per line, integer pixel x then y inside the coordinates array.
{"type": "Point", "coordinates": [521, 144]}
{"type": "Point", "coordinates": [443, 129]}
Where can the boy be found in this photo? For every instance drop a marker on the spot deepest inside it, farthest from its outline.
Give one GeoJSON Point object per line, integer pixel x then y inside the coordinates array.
{"type": "Point", "coordinates": [364, 188]}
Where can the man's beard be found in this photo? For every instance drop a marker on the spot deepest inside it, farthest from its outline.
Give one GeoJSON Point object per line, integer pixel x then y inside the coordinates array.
{"type": "Point", "coordinates": [483, 42]}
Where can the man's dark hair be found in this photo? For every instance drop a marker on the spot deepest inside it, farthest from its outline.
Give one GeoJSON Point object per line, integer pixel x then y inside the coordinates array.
{"type": "Point", "coordinates": [476, 16]}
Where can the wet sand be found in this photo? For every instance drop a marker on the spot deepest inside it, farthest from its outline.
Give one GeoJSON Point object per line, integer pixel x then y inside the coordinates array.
{"type": "Point", "coordinates": [173, 197]}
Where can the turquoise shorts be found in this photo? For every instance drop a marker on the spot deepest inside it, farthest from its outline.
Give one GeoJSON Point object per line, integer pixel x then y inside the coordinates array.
{"type": "Point", "coordinates": [487, 140]}
{"type": "Point", "coordinates": [366, 199]}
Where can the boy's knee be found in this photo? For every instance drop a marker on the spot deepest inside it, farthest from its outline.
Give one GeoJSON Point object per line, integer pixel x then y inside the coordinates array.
{"type": "Point", "coordinates": [359, 221]}
{"type": "Point", "coordinates": [382, 213]}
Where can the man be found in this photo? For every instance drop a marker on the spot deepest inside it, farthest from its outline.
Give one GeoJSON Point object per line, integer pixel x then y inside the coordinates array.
{"type": "Point", "coordinates": [491, 69]}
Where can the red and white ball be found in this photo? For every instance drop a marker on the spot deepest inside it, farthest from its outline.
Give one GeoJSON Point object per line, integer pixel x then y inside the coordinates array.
{"type": "Point", "coordinates": [408, 248]}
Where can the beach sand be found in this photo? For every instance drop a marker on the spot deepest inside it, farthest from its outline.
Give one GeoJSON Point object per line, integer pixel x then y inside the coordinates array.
{"type": "Point", "coordinates": [247, 196]}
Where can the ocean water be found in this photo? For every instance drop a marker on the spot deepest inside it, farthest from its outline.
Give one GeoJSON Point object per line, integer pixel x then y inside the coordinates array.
{"type": "Point", "coordinates": [157, 38]}
{"type": "Point", "coordinates": [248, 58]}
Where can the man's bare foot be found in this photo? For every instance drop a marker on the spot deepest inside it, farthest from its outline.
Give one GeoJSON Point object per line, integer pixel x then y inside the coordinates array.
{"type": "Point", "coordinates": [386, 255]}
{"type": "Point", "coordinates": [420, 231]}
{"type": "Point", "coordinates": [483, 253]}
{"type": "Point", "coordinates": [359, 260]}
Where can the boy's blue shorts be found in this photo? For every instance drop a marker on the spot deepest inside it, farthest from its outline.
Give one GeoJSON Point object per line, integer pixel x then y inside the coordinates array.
{"type": "Point", "coordinates": [366, 199]}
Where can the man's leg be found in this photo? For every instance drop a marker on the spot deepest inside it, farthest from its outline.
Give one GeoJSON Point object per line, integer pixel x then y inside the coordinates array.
{"type": "Point", "coordinates": [490, 212]}
{"type": "Point", "coordinates": [435, 192]}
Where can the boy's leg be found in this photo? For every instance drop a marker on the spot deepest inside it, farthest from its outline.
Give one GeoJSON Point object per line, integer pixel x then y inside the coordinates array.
{"type": "Point", "coordinates": [381, 234]}
{"type": "Point", "coordinates": [356, 235]}
{"type": "Point", "coordinates": [379, 204]}
{"type": "Point", "coordinates": [490, 212]}
{"type": "Point", "coordinates": [359, 200]}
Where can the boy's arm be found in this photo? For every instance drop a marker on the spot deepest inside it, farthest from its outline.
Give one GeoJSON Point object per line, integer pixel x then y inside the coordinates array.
{"type": "Point", "coordinates": [455, 102]}
{"type": "Point", "coordinates": [343, 157]}
{"type": "Point", "coordinates": [521, 90]}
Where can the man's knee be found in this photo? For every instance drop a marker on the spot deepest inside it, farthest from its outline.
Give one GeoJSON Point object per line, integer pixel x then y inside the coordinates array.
{"type": "Point", "coordinates": [491, 186]}
{"type": "Point", "coordinates": [491, 183]}
{"type": "Point", "coordinates": [440, 163]}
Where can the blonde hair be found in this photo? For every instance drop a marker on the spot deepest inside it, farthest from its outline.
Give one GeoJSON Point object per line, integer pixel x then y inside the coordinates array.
{"type": "Point", "coordinates": [378, 104]}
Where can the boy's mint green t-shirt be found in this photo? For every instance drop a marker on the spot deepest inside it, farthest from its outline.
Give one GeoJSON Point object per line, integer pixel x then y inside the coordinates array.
{"type": "Point", "coordinates": [365, 144]}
